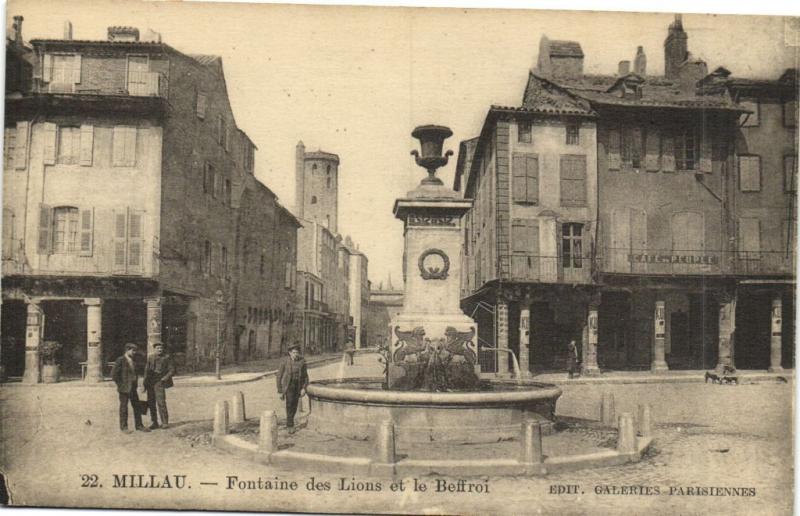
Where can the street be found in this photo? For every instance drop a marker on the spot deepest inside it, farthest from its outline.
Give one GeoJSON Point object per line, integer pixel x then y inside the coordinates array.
{"type": "Point", "coordinates": [705, 436]}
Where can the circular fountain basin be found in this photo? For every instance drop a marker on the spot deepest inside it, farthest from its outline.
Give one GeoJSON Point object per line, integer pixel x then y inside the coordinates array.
{"type": "Point", "coordinates": [353, 408]}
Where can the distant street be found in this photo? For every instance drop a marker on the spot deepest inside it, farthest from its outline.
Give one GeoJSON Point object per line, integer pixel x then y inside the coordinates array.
{"type": "Point", "coordinates": [706, 435]}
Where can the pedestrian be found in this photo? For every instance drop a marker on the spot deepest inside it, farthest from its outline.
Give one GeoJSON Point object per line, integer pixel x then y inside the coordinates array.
{"type": "Point", "coordinates": [124, 375]}
{"type": "Point", "coordinates": [292, 381]}
{"type": "Point", "coordinates": [572, 358]}
{"type": "Point", "coordinates": [349, 351]}
{"type": "Point", "coordinates": [158, 374]}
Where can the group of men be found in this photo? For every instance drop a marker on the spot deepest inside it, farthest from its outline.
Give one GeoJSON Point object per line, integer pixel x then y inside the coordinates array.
{"type": "Point", "coordinates": [157, 377]}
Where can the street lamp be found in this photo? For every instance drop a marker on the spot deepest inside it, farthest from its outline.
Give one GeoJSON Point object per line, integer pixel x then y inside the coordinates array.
{"type": "Point", "coordinates": [219, 297]}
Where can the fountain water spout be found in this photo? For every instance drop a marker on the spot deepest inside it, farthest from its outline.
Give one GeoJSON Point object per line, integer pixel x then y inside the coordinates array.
{"type": "Point", "coordinates": [514, 362]}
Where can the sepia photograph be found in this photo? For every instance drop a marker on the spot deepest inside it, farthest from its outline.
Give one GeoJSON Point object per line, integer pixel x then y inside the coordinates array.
{"type": "Point", "coordinates": [337, 259]}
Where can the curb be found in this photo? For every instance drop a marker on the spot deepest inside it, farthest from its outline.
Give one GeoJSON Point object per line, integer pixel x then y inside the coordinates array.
{"type": "Point", "coordinates": [743, 379]}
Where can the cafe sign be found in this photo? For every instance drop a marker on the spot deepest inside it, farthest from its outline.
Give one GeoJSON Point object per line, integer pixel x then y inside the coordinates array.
{"type": "Point", "coordinates": [682, 259]}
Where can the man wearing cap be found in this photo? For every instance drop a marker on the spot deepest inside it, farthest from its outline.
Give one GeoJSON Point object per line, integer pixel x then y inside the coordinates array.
{"type": "Point", "coordinates": [124, 375]}
{"type": "Point", "coordinates": [292, 381]}
{"type": "Point", "coordinates": [157, 378]}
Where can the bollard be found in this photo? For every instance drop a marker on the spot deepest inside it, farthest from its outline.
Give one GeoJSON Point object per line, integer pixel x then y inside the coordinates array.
{"type": "Point", "coordinates": [607, 410]}
{"type": "Point", "coordinates": [645, 421]}
{"type": "Point", "coordinates": [221, 418]}
{"type": "Point", "coordinates": [531, 440]}
{"type": "Point", "coordinates": [237, 408]}
{"type": "Point", "coordinates": [384, 443]}
{"type": "Point", "coordinates": [268, 432]}
{"type": "Point", "coordinates": [626, 437]}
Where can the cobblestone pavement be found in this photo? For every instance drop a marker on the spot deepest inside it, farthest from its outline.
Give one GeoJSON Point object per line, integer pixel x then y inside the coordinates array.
{"type": "Point", "coordinates": [706, 436]}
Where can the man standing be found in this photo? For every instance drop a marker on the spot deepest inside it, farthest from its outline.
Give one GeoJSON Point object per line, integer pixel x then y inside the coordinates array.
{"type": "Point", "coordinates": [292, 381]}
{"type": "Point", "coordinates": [572, 358]}
{"type": "Point", "coordinates": [158, 374]}
{"type": "Point", "coordinates": [349, 351]}
{"type": "Point", "coordinates": [124, 375]}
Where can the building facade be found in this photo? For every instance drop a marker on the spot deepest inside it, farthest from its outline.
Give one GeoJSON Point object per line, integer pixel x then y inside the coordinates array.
{"type": "Point", "coordinates": [125, 174]}
{"type": "Point", "coordinates": [608, 210]}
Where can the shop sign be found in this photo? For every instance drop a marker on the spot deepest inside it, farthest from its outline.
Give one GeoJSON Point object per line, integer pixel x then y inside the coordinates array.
{"type": "Point", "coordinates": [683, 259]}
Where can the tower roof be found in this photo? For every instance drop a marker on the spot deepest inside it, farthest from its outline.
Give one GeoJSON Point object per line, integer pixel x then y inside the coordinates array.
{"type": "Point", "coordinates": [322, 155]}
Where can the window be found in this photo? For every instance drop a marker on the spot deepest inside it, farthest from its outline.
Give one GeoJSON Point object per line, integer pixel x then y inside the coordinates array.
{"type": "Point", "coordinates": [62, 71]}
{"type": "Point", "coordinates": [750, 173]}
{"type": "Point", "coordinates": [328, 177]}
{"type": "Point", "coordinates": [749, 238]}
{"type": "Point", "coordinates": [9, 147]}
{"type": "Point", "coordinates": [206, 265]}
{"type": "Point", "coordinates": [227, 138]}
{"type": "Point", "coordinates": [208, 178]}
{"type": "Point", "coordinates": [223, 273]}
{"type": "Point", "coordinates": [525, 248]}
{"type": "Point", "coordinates": [69, 145]}
{"type": "Point", "coordinates": [573, 133]}
{"type": "Point", "coordinates": [227, 194]}
{"type": "Point", "coordinates": [524, 132]}
{"type": "Point", "coordinates": [65, 230]}
{"type": "Point", "coordinates": [632, 148]}
{"type": "Point", "coordinates": [525, 186]}
{"type": "Point", "coordinates": [790, 173]}
{"type": "Point", "coordinates": [687, 147]}
{"type": "Point", "coordinates": [217, 186]}
{"type": "Point", "coordinates": [140, 80]}
{"type": "Point", "coordinates": [313, 199]}
{"type": "Point", "coordinates": [124, 146]}
{"type": "Point", "coordinates": [750, 119]}
{"type": "Point", "coordinates": [573, 180]}
{"type": "Point", "coordinates": [790, 113]}
{"type": "Point", "coordinates": [572, 245]}
{"type": "Point", "coordinates": [201, 102]}
{"type": "Point", "coordinates": [220, 129]}
{"type": "Point", "coordinates": [288, 276]}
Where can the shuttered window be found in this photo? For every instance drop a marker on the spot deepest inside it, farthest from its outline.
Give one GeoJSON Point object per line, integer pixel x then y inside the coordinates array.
{"type": "Point", "coordinates": [749, 238]}
{"type": "Point", "coordinates": [525, 186]}
{"type": "Point", "coordinates": [45, 244]}
{"type": "Point", "coordinates": [8, 234]}
{"type": "Point", "coordinates": [124, 146]}
{"type": "Point", "coordinates": [87, 145]}
{"type": "Point", "coordinates": [62, 71]}
{"type": "Point", "coordinates": [632, 146]}
{"type": "Point", "coordinates": [128, 241]}
{"type": "Point", "coordinates": [87, 232]}
{"type": "Point", "coordinates": [750, 173]}
{"type": "Point", "coordinates": [687, 148]}
{"type": "Point", "coordinates": [613, 156]}
{"type": "Point", "coordinates": [525, 248]}
{"type": "Point", "coordinates": [200, 105]}
{"type": "Point", "coordinates": [573, 180]}
{"type": "Point", "coordinates": [65, 229]}
{"type": "Point", "coordinates": [50, 137]}
{"type": "Point", "coordinates": [524, 132]}
{"type": "Point", "coordinates": [206, 265]}
{"type": "Point", "coordinates": [652, 149]}
{"type": "Point", "coordinates": [208, 178]}
{"type": "Point", "coordinates": [790, 174]}
{"type": "Point", "coordinates": [69, 145]}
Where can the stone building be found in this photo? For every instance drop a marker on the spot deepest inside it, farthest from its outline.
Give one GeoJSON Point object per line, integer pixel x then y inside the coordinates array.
{"type": "Point", "coordinates": [607, 210]}
{"type": "Point", "coordinates": [332, 272]}
{"type": "Point", "coordinates": [385, 304]}
{"type": "Point", "coordinates": [125, 174]}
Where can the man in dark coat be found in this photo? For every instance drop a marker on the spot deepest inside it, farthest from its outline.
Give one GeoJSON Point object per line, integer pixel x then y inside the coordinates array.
{"type": "Point", "coordinates": [158, 372]}
{"type": "Point", "coordinates": [124, 375]}
{"type": "Point", "coordinates": [292, 381]}
{"type": "Point", "coordinates": [572, 358]}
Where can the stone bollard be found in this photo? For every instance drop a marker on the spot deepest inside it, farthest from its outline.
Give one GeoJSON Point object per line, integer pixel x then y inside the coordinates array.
{"type": "Point", "coordinates": [221, 418]}
{"type": "Point", "coordinates": [531, 440]}
{"type": "Point", "coordinates": [626, 436]}
{"type": "Point", "coordinates": [607, 415]}
{"type": "Point", "coordinates": [268, 432]}
{"type": "Point", "coordinates": [237, 408]}
{"type": "Point", "coordinates": [645, 421]}
{"type": "Point", "coordinates": [384, 443]}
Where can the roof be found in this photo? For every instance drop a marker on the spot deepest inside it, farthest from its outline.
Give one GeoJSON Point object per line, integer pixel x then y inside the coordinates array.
{"type": "Point", "coordinates": [565, 48]}
{"type": "Point", "coordinates": [322, 155]}
{"type": "Point", "coordinates": [205, 59]}
{"type": "Point", "coordinates": [546, 97]}
{"type": "Point", "coordinates": [99, 42]}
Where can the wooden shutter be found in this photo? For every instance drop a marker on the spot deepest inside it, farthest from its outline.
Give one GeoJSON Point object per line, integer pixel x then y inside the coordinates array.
{"type": "Point", "coordinates": [573, 180]}
{"type": "Point", "coordinates": [620, 240]}
{"type": "Point", "coordinates": [668, 153]}
{"type": "Point", "coordinates": [76, 68]}
{"type": "Point", "coordinates": [652, 150]}
{"type": "Point", "coordinates": [87, 232]}
{"type": "Point", "coordinates": [525, 248]}
{"type": "Point", "coordinates": [87, 145]}
{"type": "Point", "coordinates": [638, 234]}
{"type": "Point", "coordinates": [21, 149]}
{"type": "Point", "coordinates": [130, 146]}
{"type": "Point", "coordinates": [705, 153]}
{"type": "Point", "coordinates": [201, 105]}
{"type": "Point", "coordinates": [637, 147]}
{"type": "Point", "coordinates": [49, 153]}
{"type": "Point", "coordinates": [790, 173]}
{"type": "Point", "coordinates": [613, 155]}
{"type": "Point", "coordinates": [118, 147]}
{"type": "Point", "coordinates": [47, 68]}
{"type": "Point", "coordinates": [120, 240]}
{"type": "Point", "coordinates": [548, 249]}
{"type": "Point", "coordinates": [45, 227]}
{"type": "Point", "coordinates": [135, 241]}
{"type": "Point", "coordinates": [532, 178]}
{"type": "Point", "coordinates": [519, 183]}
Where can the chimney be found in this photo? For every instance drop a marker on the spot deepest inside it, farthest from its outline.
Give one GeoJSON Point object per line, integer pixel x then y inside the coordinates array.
{"type": "Point", "coordinates": [17, 28]}
{"type": "Point", "coordinates": [640, 62]}
{"type": "Point", "coordinates": [676, 48]}
{"type": "Point", "coordinates": [67, 30]}
{"type": "Point", "coordinates": [624, 68]}
{"type": "Point", "coordinates": [128, 34]}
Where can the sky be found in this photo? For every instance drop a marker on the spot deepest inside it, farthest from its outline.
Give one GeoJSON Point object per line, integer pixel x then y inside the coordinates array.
{"type": "Point", "coordinates": [355, 81]}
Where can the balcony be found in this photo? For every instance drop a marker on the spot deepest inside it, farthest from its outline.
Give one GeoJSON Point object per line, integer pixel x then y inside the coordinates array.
{"type": "Point", "coordinates": [147, 84]}
{"type": "Point", "coordinates": [550, 269]}
{"type": "Point", "coordinates": [138, 84]}
{"type": "Point", "coordinates": [661, 261]}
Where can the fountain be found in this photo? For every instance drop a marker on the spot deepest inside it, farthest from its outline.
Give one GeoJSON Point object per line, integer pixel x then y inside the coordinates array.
{"type": "Point", "coordinates": [432, 388]}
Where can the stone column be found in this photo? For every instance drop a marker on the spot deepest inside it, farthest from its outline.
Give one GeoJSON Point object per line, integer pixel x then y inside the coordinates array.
{"type": "Point", "coordinates": [590, 366]}
{"type": "Point", "coordinates": [727, 325]}
{"type": "Point", "coordinates": [659, 363]}
{"type": "Point", "coordinates": [153, 322]}
{"type": "Point", "coordinates": [776, 335]}
{"type": "Point", "coordinates": [502, 336]}
{"type": "Point", "coordinates": [94, 346]}
{"type": "Point", "coordinates": [33, 327]}
{"type": "Point", "coordinates": [524, 339]}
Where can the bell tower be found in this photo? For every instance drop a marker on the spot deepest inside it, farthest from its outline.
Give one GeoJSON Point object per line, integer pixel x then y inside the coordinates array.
{"type": "Point", "coordinates": [317, 187]}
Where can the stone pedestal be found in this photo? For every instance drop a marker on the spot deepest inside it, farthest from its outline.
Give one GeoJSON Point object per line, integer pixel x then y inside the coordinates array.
{"type": "Point", "coordinates": [153, 322]}
{"type": "Point", "coordinates": [776, 340]}
{"type": "Point", "coordinates": [590, 367]}
{"type": "Point", "coordinates": [659, 363]}
{"type": "Point", "coordinates": [524, 340]}
{"type": "Point", "coordinates": [727, 325]}
{"type": "Point", "coordinates": [33, 327]}
{"type": "Point", "coordinates": [94, 346]}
